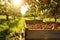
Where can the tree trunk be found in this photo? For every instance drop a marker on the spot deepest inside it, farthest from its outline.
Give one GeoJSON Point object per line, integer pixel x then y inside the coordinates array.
{"type": "Point", "coordinates": [7, 17]}
{"type": "Point", "coordinates": [55, 19]}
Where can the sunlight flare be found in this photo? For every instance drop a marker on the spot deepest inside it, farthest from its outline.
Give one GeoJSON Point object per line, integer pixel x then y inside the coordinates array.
{"type": "Point", "coordinates": [16, 2]}
{"type": "Point", "coordinates": [24, 9]}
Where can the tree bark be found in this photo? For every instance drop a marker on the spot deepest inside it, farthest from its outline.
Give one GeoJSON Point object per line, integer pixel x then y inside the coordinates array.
{"type": "Point", "coordinates": [55, 19]}
{"type": "Point", "coordinates": [7, 17]}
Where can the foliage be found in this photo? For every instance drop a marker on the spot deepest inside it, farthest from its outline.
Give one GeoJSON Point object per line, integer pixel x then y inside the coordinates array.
{"type": "Point", "coordinates": [11, 29]}
{"type": "Point", "coordinates": [8, 10]}
{"type": "Point", "coordinates": [48, 8]}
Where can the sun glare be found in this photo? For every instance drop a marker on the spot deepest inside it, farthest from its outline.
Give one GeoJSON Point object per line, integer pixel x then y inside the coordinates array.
{"type": "Point", "coordinates": [24, 9]}
{"type": "Point", "coordinates": [16, 2]}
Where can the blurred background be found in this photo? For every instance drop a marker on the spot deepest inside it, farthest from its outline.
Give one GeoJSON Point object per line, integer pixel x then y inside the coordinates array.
{"type": "Point", "coordinates": [13, 14]}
